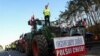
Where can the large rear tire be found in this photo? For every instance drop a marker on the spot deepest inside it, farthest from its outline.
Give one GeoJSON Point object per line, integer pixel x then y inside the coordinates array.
{"type": "Point", "coordinates": [40, 46]}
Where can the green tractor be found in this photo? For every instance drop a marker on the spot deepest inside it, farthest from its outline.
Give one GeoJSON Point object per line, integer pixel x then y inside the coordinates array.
{"type": "Point", "coordinates": [90, 39]}
{"type": "Point", "coordinates": [39, 42]}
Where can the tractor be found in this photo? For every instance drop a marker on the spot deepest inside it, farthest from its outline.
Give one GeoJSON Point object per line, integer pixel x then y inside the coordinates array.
{"type": "Point", "coordinates": [39, 42]}
{"type": "Point", "coordinates": [90, 39]}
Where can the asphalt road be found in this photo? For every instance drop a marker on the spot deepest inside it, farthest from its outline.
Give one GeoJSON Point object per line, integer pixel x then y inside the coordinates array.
{"type": "Point", "coordinates": [95, 51]}
{"type": "Point", "coordinates": [11, 53]}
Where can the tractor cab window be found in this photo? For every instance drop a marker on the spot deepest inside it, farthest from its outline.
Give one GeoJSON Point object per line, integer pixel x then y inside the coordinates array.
{"type": "Point", "coordinates": [77, 31]}
{"type": "Point", "coordinates": [73, 31]}
{"type": "Point", "coordinates": [39, 25]}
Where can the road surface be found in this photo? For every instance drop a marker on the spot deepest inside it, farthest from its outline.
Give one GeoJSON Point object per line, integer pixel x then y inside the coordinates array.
{"type": "Point", "coordinates": [95, 51]}
{"type": "Point", "coordinates": [11, 53]}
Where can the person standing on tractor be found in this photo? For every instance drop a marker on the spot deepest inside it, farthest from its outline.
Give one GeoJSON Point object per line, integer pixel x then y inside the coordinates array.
{"type": "Point", "coordinates": [46, 13]}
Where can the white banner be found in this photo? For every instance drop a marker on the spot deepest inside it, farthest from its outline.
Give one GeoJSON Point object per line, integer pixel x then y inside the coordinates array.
{"type": "Point", "coordinates": [63, 42]}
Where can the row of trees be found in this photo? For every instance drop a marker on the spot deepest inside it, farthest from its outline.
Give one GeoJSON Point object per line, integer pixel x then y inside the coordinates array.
{"type": "Point", "coordinates": [1, 47]}
{"type": "Point", "coordinates": [80, 9]}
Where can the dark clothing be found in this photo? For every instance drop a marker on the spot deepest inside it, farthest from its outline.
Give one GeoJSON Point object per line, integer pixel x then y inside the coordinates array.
{"type": "Point", "coordinates": [47, 20]}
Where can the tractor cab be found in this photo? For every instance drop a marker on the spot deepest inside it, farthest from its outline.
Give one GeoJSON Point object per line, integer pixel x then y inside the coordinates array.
{"type": "Point", "coordinates": [81, 31]}
{"type": "Point", "coordinates": [36, 24]}
{"type": "Point", "coordinates": [39, 27]}
{"type": "Point", "coordinates": [77, 31]}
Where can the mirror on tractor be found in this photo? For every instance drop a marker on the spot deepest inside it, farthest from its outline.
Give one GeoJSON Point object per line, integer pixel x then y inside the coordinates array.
{"type": "Point", "coordinates": [29, 22]}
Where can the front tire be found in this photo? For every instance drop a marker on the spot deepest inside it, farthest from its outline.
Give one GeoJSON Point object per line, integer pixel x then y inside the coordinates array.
{"type": "Point", "coordinates": [40, 46]}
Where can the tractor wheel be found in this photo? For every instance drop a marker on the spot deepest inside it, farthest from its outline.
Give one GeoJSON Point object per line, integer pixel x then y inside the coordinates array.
{"type": "Point", "coordinates": [40, 46]}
